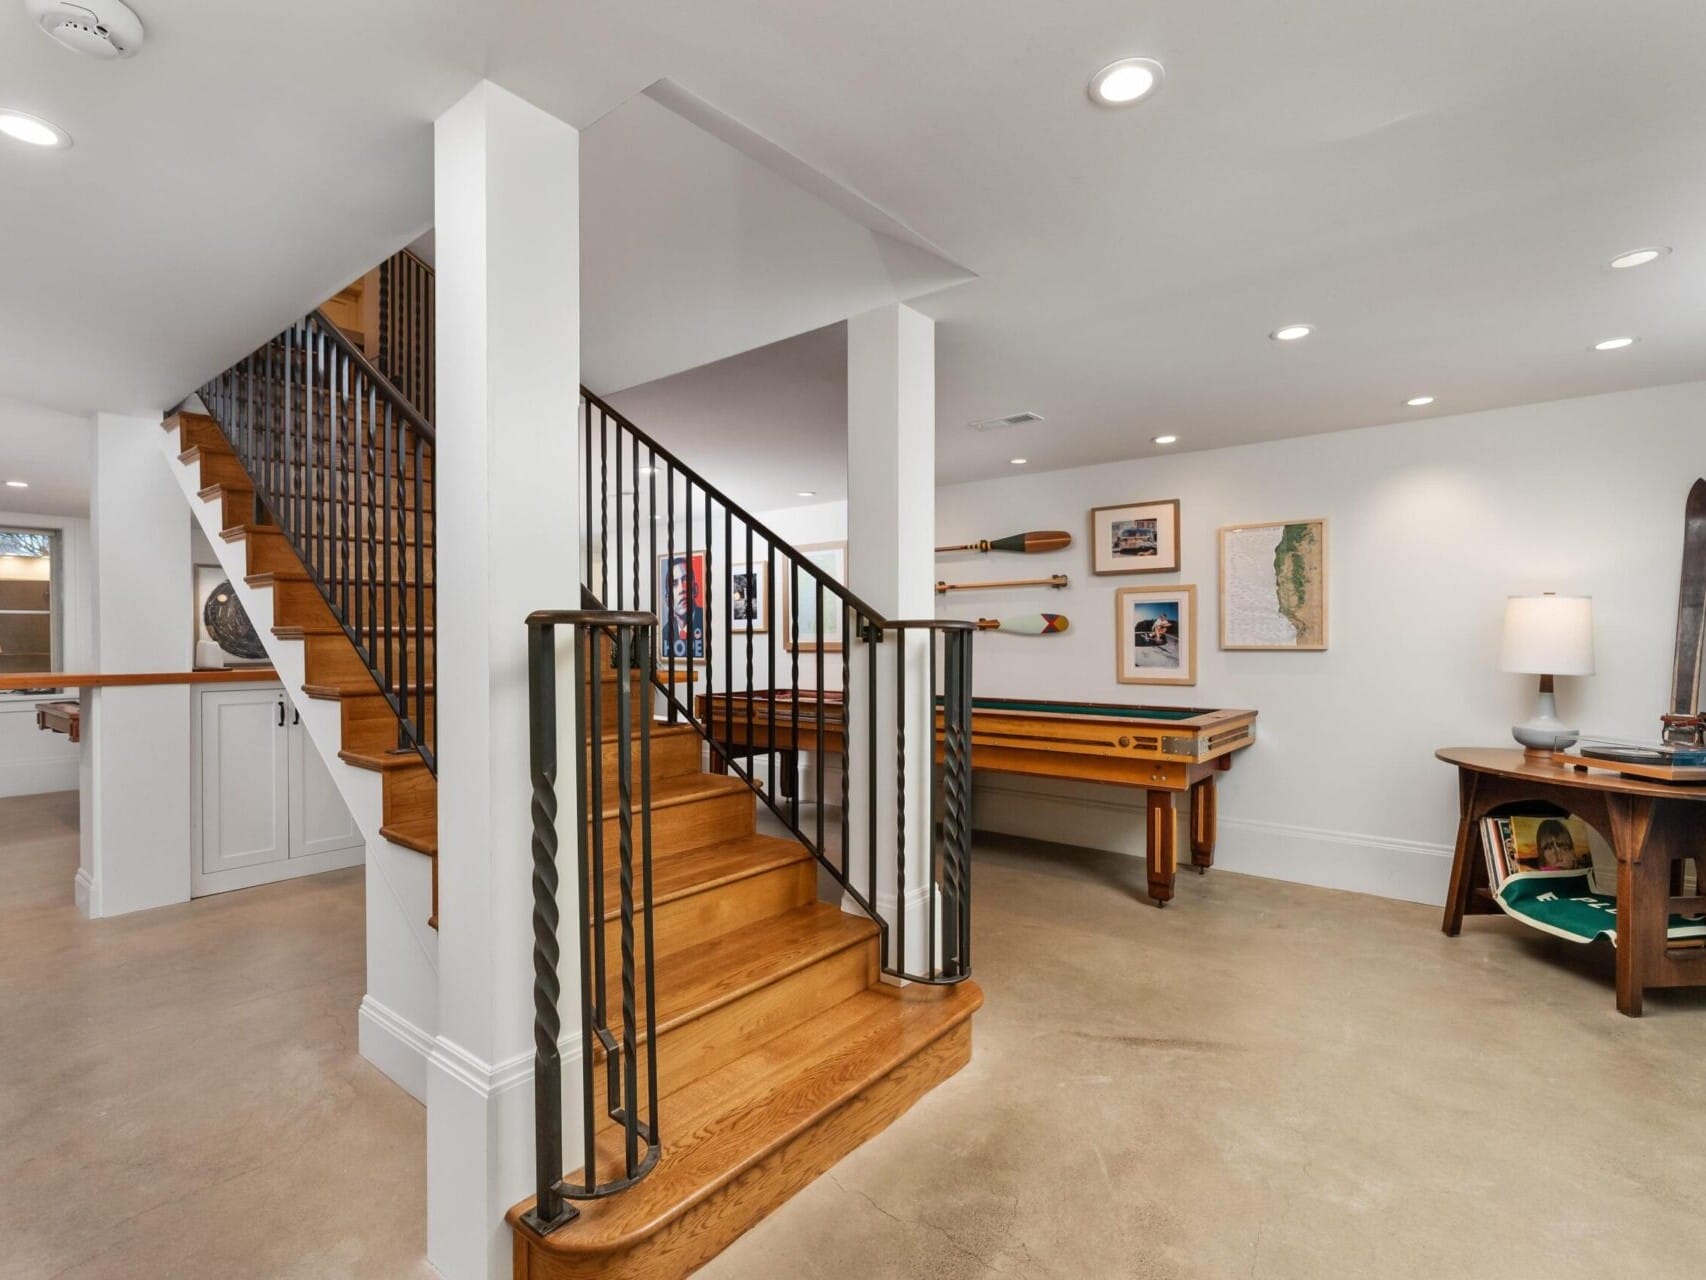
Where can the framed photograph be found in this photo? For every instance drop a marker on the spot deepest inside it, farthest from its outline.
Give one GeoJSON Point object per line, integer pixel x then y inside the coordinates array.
{"type": "Point", "coordinates": [749, 598]}
{"type": "Point", "coordinates": [681, 606]}
{"type": "Point", "coordinates": [224, 636]}
{"type": "Point", "coordinates": [1156, 630]}
{"type": "Point", "coordinates": [801, 631]}
{"type": "Point", "coordinates": [1273, 585]}
{"type": "Point", "coordinates": [1139, 537]}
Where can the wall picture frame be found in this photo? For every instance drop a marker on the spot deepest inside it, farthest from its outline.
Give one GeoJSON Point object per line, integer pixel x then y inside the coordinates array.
{"type": "Point", "coordinates": [681, 607]}
{"type": "Point", "coordinates": [749, 598]}
{"type": "Point", "coordinates": [1135, 537]}
{"type": "Point", "coordinates": [1155, 635]}
{"type": "Point", "coordinates": [799, 623]}
{"type": "Point", "coordinates": [1273, 585]}
{"type": "Point", "coordinates": [224, 636]}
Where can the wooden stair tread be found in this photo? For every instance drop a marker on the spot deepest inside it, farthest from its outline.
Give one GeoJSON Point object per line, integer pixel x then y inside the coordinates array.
{"type": "Point", "coordinates": [723, 1124]}
{"type": "Point", "coordinates": [696, 870]}
{"type": "Point", "coordinates": [687, 788]}
{"type": "Point", "coordinates": [698, 979]}
{"type": "Point", "coordinates": [419, 834]}
{"type": "Point", "coordinates": [383, 761]}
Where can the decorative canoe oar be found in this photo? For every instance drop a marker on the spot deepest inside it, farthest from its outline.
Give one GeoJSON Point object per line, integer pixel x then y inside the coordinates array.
{"type": "Point", "coordinates": [1024, 543]}
{"type": "Point", "coordinates": [1026, 624]}
{"type": "Point", "coordinates": [1057, 581]}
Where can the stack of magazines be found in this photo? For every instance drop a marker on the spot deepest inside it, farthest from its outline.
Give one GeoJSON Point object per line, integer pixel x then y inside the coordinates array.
{"type": "Point", "coordinates": [1520, 843]}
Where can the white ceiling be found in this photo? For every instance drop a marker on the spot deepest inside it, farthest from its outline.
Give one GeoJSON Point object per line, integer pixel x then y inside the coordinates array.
{"type": "Point", "coordinates": [49, 452]}
{"type": "Point", "coordinates": [1435, 186]}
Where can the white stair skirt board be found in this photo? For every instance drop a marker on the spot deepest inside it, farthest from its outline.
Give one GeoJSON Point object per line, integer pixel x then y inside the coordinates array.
{"type": "Point", "coordinates": [402, 949]}
{"type": "Point", "coordinates": [1408, 870]}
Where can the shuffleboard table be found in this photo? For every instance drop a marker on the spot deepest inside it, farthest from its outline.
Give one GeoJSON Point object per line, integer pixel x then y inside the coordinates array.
{"type": "Point", "coordinates": [1165, 751]}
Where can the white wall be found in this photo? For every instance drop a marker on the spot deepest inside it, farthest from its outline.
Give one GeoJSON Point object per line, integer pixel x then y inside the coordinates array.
{"type": "Point", "coordinates": [1432, 525]}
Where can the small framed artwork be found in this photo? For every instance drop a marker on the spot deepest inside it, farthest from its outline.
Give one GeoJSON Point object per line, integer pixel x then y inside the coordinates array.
{"type": "Point", "coordinates": [681, 613]}
{"type": "Point", "coordinates": [749, 597]}
{"type": "Point", "coordinates": [800, 623]}
{"type": "Point", "coordinates": [1139, 537]}
{"type": "Point", "coordinates": [1156, 635]}
{"type": "Point", "coordinates": [224, 636]}
{"type": "Point", "coordinates": [1273, 585]}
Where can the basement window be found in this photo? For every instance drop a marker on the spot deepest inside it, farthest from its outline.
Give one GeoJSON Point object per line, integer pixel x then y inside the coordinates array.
{"type": "Point", "coordinates": [30, 628]}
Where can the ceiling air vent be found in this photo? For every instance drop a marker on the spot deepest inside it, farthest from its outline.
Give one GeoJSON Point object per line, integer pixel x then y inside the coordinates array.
{"type": "Point", "coordinates": [1011, 420]}
{"type": "Point", "coordinates": [105, 29]}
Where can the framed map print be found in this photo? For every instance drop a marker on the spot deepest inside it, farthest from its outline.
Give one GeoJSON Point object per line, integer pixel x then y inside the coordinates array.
{"type": "Point", "coordinates": [1273, 585]}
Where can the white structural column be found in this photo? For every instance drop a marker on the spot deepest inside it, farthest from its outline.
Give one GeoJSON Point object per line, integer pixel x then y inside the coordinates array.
{"type": "Point", "coordinates": [506, 200]}
{"type": "Point", "coordinates": [135, 769]}
{"type": "Point", "coordinates": [891, 535]}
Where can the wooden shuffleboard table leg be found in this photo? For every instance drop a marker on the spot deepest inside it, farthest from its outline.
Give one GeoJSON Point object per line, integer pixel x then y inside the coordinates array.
{"type": "Point", "coordinates": [1163, 843]}
{"type": "Point", "coordinates": [1205, 822]}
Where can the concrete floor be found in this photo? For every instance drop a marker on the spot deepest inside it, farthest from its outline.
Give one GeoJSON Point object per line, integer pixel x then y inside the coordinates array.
{"type": "Point", "coordinates": [1264, 1081]}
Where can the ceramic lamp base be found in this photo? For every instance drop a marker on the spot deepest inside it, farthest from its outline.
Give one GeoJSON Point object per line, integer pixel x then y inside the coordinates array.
{"type": "Point", "coordinates": [1543, 733]}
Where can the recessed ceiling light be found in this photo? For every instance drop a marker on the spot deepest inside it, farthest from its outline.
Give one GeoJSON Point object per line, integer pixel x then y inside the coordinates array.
{"type": "Point", "coordinates": [1165, 440]}
{"type": "Point", "coordinates": [17, 484]}
{"type": "Point", "coordinates": [1292, 332]}
{"type": "Point", "coordinates": [1614, 344]}
{"type": "Point", "coordinates": [1018, 462]}
{"type": "Point", "coordinates": [33, 130]}
{"type": "Point", "coordinates": [1638, 258]}
{"type": "Point", "coordinates": [1119, 84]}
{"type": "Point", "coordinates": [1418, 402]}
{"type": "Point", "coordinates": [807, 493]}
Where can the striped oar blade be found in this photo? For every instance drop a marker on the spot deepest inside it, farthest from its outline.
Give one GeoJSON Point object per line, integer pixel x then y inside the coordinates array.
{"type": "Point", "coordinates": [1027, 624]}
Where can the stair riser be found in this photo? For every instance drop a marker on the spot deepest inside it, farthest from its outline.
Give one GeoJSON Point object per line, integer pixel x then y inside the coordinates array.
{"type": "Point", "coordinates": [201, 433]}
{"type": "Point", "coordinates": [409, 793]}
{"type": "Point", "coordinates": [713, 1040]}
{"type": "Point", "coordinates": [332, 659]}
{"type": "Point", "coordinates": [672, 757]}
{"type": "Point", "coordinates": [716, 912]}
{"type": "Point", "coordinates": [693, 1239]}
{"type": "Point", "coordinates": [298, 602]}
{"type": "Point", "coordinates": [222, 469]}
{"type": "Point", "coordinates": [679, 827]}
{"type": "Point", "coordinates": [370, 726]}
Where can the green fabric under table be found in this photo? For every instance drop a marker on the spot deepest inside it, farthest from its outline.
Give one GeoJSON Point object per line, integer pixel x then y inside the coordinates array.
{"type": "Point", "coordinates": [1564, 904]}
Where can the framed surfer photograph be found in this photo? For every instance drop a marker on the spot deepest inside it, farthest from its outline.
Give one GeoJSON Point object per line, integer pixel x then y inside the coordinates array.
{"type": "Point", "coordinates": [1138, 537]}
{"type": "Point", "coordinates": [1155, 635]}
{"type": "Point", "coordinates": [224, 636]}
{"type": "Point", "coordinates": [800, 624]}
{"type": "Point", "coordinates": [681, 606]}
{"type": "Point", "coordinates": [749, 597]}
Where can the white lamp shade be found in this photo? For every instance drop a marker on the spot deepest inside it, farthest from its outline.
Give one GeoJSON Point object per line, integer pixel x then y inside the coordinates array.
{"type": "Point", "coordinates": [1548, 636]}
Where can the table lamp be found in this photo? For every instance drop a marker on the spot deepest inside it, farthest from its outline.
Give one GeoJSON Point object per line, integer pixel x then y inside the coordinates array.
{"type": "Point", "coordinates": [1547, 635]}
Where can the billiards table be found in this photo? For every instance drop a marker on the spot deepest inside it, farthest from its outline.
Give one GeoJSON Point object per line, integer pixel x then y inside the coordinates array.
{"type": "Point", "coordinates": [1164, 751]}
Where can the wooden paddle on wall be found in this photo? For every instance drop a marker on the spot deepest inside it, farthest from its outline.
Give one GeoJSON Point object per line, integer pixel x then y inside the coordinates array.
{"type": "Point", "coordinates": [1026, 624]}
{"type": "Point", "coordinates": [1025, 543]}
{"type": "Point", "coordinates": [1057, 581]}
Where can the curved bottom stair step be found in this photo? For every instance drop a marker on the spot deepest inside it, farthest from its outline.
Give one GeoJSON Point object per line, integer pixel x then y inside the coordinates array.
{"type": "Point", "coordinates": [737, 1143]}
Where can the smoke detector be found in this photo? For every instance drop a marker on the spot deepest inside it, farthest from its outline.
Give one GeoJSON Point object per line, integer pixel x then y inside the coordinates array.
{"type": "Point", "coordinates": [104, 29]}
{"type": "Point", "coordinates": [1011, 420]}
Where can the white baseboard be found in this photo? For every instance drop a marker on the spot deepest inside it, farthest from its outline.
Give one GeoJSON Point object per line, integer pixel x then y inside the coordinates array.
{"type": "Point", "coordinates": [87, 895]}
{"type": "Point", "coordinates": [1408, 870]}
{"type": "Point", "coordinates": [395, 1045]}
{"type": "Point", "coordinates": [37, 777]}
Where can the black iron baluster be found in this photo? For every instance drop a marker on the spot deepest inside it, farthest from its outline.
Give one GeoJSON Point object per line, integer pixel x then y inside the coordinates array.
{"type": "Point", "coordinates": [550, 1212]}
{"type": "Point", "coordinates": [791, 760]}
{"type": "Point", "coordinates": [846, 690]}
{"type": "Point", "coordinates": [728, 643]}
{"type": "Point", "coordinates": [590, 811]}
{"type": "Point", "coordinates": [647, 671]}
{"type": "Point", "coordinates": [625, 873]}
{"type": "Point", "coordinates": [822, 647]}
{"type": "Point", "coordinates": [900, 799]}
{"type": "Point", "coordinates": [751, 608]}
{"type": "Point", "coordinates": [666, 606]}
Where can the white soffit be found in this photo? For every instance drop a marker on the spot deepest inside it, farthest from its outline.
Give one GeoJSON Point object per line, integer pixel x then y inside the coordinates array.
{"type": "Point", "coordinates": [704, 240]}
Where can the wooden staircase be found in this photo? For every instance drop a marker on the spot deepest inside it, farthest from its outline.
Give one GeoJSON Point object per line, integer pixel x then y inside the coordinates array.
{"type": "Point", "coordinates": [334, 669]}
{"type": "Point", "coordinates": [779, 1048]}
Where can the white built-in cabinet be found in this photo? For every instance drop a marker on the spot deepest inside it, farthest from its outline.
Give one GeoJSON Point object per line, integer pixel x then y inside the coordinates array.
{"type": "Point", "coordinates": [266, 807]}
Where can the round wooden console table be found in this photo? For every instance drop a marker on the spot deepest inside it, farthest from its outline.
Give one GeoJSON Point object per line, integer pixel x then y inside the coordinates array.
{"type": "Point", "coordinates": [1649, 825]}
